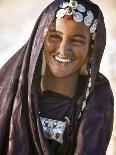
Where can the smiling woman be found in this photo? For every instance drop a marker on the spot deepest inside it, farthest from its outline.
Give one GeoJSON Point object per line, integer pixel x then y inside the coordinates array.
{"type": "Point", "coordinates": [65, 50]}
{"type": "Point", "coordinates": [52, 95]}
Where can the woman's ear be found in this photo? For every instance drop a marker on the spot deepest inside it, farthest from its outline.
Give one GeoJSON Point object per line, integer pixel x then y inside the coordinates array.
{"type": "Point", "coordinates": [84, 68]}
{"type": "Point", "coordinates": [89, 55]}
{"type": "Point", "coordinates": [43, 64]}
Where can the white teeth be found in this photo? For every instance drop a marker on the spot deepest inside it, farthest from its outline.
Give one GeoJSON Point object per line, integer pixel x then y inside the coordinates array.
{"type": "Point", "coordinates": [62, 60]}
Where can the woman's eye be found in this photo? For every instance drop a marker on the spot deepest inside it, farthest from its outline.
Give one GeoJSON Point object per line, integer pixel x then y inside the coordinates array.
{"type": "Point", "coordinates": [77, 41]}
{"type": "Point", "coordinates": [55, 37]}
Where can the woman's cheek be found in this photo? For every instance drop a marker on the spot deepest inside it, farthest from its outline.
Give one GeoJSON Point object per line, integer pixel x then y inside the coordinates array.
{"type": "Point", "coordinates": [52, 45]}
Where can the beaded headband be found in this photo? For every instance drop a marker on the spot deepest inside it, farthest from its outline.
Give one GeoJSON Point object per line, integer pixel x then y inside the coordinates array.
{"type": "Point", "coordinates": [79, 13]}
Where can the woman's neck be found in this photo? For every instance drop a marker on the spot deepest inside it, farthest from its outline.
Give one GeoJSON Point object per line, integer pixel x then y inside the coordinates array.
{"type": "Point", "coordinates": [65, 86]}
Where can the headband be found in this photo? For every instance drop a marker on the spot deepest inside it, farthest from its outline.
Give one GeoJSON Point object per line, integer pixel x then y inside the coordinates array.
{"type": "Point", "coordinates": [79, 13]}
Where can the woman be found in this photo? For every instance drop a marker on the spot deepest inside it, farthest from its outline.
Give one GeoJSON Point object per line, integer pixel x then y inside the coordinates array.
{"type": "Point", "coordinates": [53, 99]}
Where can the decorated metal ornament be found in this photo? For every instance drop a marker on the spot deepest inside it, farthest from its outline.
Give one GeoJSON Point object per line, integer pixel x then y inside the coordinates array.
{"type": "Point", "coordinates": [53, 129]}
{"type": "Point", "coordinates": [89, 18]}
{"type": "Point", "coordinates": [78, 17]}
{"type": "Point", "coordinates": [79, 13]}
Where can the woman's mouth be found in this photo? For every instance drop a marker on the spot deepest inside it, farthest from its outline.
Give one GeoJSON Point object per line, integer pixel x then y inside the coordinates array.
{"type": "Point", "coordinates": [63, 60]}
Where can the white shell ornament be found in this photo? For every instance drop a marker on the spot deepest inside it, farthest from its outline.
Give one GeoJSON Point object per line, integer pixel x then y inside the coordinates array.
{"type": "Point", "coordinates": [89, 18]}
{"type": "Point", "coordinates": [87, 21]}
{"type": "Point", "coordinates": [60, 13]}
{"type": "Point", "coordinates": [64, 5]}
{"type": "Point", "coordinates": [90, 14]}
{"type": "Point", "coordinates": [78, 17]}
{"type": "Point", "coordinates": [81, 8]}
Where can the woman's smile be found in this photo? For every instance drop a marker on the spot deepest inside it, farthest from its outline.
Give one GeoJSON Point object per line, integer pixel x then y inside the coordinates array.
{"type": "Point", "coordinates": [62, 60]}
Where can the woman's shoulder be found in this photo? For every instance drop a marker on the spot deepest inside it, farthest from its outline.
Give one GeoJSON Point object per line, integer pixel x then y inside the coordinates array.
{"type": "Point", "coordinates": [102, 85]}
{"type": "Point", "coordinates": [101, 78]}
{"type": "Point", "coordinates": [102, 93]}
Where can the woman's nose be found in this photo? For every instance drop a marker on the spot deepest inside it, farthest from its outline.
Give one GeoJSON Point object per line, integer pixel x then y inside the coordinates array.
{"type": "Point", "coordinates": [65, 48]}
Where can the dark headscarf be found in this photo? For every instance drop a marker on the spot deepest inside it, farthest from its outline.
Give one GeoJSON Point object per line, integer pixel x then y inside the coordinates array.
{"type": "Point", "coordinates": [20, 129]}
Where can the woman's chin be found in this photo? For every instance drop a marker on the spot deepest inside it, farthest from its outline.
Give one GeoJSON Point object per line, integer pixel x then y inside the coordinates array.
{"type": "Point", "coordinates": [61, 74]}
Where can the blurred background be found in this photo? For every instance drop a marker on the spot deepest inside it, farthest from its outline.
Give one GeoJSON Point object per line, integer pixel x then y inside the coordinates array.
{"type": "Point", "coordinates": [17, 18]}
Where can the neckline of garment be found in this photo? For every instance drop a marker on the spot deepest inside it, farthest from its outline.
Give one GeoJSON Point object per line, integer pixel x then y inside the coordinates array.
{"type": "Point", "coordinates": [57, 94]}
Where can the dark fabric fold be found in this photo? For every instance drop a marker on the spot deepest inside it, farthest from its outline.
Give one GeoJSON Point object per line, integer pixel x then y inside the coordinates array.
{"type": "Point", "coordinates": [20, 128]}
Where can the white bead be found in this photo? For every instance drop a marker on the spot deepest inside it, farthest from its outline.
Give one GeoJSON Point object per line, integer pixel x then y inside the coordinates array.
{"type": "Point", "coordinates": [84, 105]}
{"type": "Point", "coordinates": [87, 93]}
{"type": "Point", "coordinates": [89, 84]}
{"type": "Point", "coordinates": [94, 26]}
{"type": "Point", "coordinates": [93, 36]}
{"type": "Point", "coordinates": [79, 115]}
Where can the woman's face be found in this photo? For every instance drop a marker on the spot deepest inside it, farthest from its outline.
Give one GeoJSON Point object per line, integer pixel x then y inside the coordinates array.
{"type": "Point", "coordinates": [66, 47]}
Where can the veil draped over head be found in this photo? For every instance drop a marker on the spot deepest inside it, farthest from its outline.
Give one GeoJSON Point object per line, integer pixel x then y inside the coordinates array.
{"type": "Point", "coordinates": [20, 129]}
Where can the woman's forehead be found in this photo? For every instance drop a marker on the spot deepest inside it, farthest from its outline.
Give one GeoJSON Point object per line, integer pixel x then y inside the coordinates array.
{"type": "Point", "coordinates": [80, 11]}
{"type": "Point", "coordinates": [70, 27]}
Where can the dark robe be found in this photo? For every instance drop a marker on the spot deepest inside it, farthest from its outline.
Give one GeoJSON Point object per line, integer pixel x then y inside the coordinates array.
{"type": "Point", "coordinates": [20, 128]}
